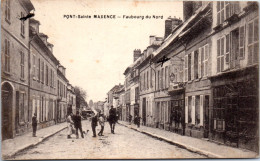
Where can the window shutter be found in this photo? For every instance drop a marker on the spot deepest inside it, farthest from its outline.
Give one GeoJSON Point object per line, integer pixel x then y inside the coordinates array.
{"type": "Point", "coordinates": [199, 63]}
{"type": "Point", "coordinates": [38, 109]}
{"type": "Point", "coordinates": [241, 41]}
{"type": "Point", "coordinates": [201, 110]}
{"type": "Point", "coordinates": [186, 110]}
{"type": "Point", "coordinates": [193, 110]}
{"type": "Point", "coordinates": [192, 65]}
{"type": "Point", "coordinates": [206, 57]}
{"type": "Point", "coordinates": [47, 110]}
{"type": "Point", "coordinates": [186, 67]}
{"type": "Point", "coordinates": [33, 106]}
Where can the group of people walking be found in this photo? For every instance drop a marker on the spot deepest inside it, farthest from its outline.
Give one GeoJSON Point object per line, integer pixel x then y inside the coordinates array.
{"type": "Point", "coordinates": [74, 123]}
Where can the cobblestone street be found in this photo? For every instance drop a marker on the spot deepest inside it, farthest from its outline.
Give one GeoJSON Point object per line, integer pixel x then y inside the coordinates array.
{"type": "Point", "coordinates": [125, 143]}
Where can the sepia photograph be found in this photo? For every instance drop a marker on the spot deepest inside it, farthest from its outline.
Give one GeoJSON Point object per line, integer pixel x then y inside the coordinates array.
{"type": "Point", "coordinates": [136, 79]}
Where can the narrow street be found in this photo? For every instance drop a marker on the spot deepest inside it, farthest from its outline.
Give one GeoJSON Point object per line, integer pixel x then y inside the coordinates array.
{"type": "Point", "coordinates": [124, 144]}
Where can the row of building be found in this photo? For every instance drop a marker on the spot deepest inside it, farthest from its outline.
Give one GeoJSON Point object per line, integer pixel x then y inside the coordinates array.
{"type": "Point", "coordinates": [32, 78]}
{"type": "Point", "coordinates": [201, 78]}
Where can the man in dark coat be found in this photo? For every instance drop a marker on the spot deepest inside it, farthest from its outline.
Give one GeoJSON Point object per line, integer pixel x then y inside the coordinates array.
{"type": "Point", "coordinates": [112, 119]}
{"type": "Point", "coordinates": [77, 124]}
{"type": "Point", "coordinates": [34, 124]}
{"type": "Point", "coordinates": [94, 123]}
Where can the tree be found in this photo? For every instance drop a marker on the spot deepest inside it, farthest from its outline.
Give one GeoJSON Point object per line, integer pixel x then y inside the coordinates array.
{"type": "Point", "coordinates": [81, 95]}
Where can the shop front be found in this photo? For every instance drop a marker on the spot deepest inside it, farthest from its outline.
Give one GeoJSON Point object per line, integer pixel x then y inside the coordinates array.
{"type": "Point", "coordinates": [177, 110]}
{"type": "Point", "coordinates": [235, 109]}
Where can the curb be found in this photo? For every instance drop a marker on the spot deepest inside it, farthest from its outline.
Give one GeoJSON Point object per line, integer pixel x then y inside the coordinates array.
{"type": "Point", "coordinates": [183, 146]}
{"type": "Point", "coordinates": [6, 157]}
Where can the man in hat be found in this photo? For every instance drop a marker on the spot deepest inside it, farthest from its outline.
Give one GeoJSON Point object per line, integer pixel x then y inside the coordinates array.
{"type": "Point", "coordinates": [112, 119]}
{"type": "Point", "coordinates": [94, 120]}
{"type": "Point", "coordinates": [34, 124]}
{"type": "Point", "coordinates": [77, 125]}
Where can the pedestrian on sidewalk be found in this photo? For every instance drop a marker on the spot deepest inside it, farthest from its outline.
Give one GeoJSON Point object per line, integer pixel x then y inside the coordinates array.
{"type": "Point", "coordinates": [69, 125]}
{"type": "Point", "coordinates": [102, 124]}
{"type": "Point", "coordinates": [137, 120]}
{"type": "Point", "coordinates": [34, 124]}
{"type": "Point", "coordinates": [78, 125]}
{"type": "Point", "coordinates": [130, 119]}
{"type": "Point", "coordinates": [112, 119]}
{"type": "Point", "coordinates": [94, 120]}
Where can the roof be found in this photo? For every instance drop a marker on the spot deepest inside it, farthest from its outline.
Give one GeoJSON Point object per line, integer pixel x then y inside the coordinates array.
{"type": "Point", "coordinates": [182, 28]}
{"type": "Point", "coordinates": [27, 4]}
{"type": "Point", "coordinates": [32, 20]}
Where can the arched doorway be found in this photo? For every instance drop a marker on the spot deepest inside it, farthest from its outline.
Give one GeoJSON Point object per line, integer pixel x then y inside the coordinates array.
{"type": "Point", "coordinates": [7, 105]}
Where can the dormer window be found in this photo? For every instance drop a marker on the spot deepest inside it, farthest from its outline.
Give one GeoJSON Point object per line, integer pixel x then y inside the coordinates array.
{"type": "Point", "coordinates": [225, 10]}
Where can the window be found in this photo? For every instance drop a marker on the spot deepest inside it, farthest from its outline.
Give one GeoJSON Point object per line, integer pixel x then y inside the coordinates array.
{"type": "Point", "coordinates": [39, 69]}
{"type": "Point", "coordinates": [220, 12]}
{"type": "Point", "coordinates": [196, 64]}
{"type": "Point", "coordinates": [253, 38]}
{"type": "Point", "coordinates": [204, 60]}
{"type": "Point", "coordinates": [21, 97]}
{"type": "Point", "coordinates": [144, 86]}
{"type": "Point", "coordinates": [186, 68]}
{"type": "Point", "coordinates": [226, 10]}
{"type": "Point", "coordinates": [42, 72]}
{"type": "Point", "coordinates": [7, 10]}
{"type": "Point", "coordinates": [22, 64]}
{"type": "Point", "coordinates": [147, 79]}
{"type": "Point", "coordinates": [227, 48]}
{"type": "Point", "coordinates": [220, 55]}
{"type": "Point", "coordinates": [59, 88]}
{"type": "Point", "coordinates": [52, 79]}
{"type": "Point", "coordinates": [189, 109]}
{"type": "Point", "coordinates": [158, 82]}
{"type": "Point", "coordinates": [189, 67]}
{"type": "Point", "coordinates": [140, 82]}
{"type": "Point", "coordinates": [242, 41]}
{"type": "Point", "coordinates": [34, 66]}
{"type": "Point", "coordinates": [197, 110]}
{"type": "Point", "coordinates": [47, 76]}
{"type": "Point", "coordinates": [162, 78]}
{"type": "Point", "coordinates": [7, 55]}
{"type": "Point", "coordinates": [234, 46]}
{"type": "Point", "coordinates": [22, 25]}
{"type": "Point", "coordinates": [180, 73]}
{"type": "Point", "coordinates": [166, 77]}
{"type": "Point", "coordinates": [53, 84]}
{"type": "Point", "coordinates": [151, 78]}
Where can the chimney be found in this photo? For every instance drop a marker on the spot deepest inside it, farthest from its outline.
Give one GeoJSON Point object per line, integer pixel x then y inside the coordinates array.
{"type": "Point", "coordinates": [152, 39]}
{"type": "Point", "coordinates": [170, 25]}
{"type": "Point", "coordinates": [137, 54]}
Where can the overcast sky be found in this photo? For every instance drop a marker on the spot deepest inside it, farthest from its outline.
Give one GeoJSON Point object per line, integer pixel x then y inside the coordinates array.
{"type": "Point", "coordinates": [96, 52]}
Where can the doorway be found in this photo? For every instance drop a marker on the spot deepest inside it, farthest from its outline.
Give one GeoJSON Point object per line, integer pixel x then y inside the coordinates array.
{"type": "Point", "coordinates": [7, 104]}
{"type": "Point", "coordinates": [144, 111]}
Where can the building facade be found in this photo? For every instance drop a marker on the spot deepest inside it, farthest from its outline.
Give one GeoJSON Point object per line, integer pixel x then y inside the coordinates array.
{"type": "Point", "coordinates": [16, 116]}
{"type": "Point", "coordinates": [234, 76]}
{"type": "Point", "coordinates": [147, 84]}
{"type": "Point", "coordinates": [43, 93]}
{"type": "Point", "coordinates": [71, 99]}
{"type": "Point", "coordinates": [62, 94]}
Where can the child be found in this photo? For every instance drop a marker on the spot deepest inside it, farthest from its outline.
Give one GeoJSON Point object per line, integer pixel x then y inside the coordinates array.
{"type": "Point", "coordinates": [102, 124]}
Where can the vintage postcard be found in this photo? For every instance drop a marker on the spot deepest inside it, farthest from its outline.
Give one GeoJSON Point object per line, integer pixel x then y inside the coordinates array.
{"type": "Point", "coordinates": [136, 79]}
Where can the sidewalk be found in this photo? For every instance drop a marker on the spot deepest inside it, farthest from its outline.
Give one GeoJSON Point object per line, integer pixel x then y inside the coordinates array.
{"type": "Point", "coordinates": [200, 146]}
{"type": "Point", "coordinates": [13, 146]}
